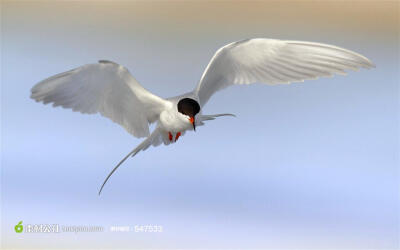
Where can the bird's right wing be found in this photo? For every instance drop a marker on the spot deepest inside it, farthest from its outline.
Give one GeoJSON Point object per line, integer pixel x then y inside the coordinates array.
{"type": "Point", "coordinates": [106, 88]}
{"type": "Point", "coordinates": [274, 61]}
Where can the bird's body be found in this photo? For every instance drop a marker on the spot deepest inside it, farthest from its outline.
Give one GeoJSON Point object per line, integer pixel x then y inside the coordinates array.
{"type": "Point", "coordinates": [173, 121]}
{"type": "Point", "coordinates": [109, 89]}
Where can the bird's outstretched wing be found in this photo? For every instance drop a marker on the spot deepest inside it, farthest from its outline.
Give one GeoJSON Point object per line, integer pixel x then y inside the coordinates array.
{"type": "Point", "coordinates": [273, 62]}
{"type": "Point", "coordinates": [106, 88]}
{"type": "Point", "coordinates": [154, 139]}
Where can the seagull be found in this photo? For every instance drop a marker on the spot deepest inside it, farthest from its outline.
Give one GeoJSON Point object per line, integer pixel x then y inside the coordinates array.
{"type": "Point", "coordinates": [108, 88]}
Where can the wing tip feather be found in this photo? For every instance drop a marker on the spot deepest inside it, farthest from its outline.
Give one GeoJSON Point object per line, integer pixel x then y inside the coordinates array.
{"type": "Point", "coordinates": [108, 62]}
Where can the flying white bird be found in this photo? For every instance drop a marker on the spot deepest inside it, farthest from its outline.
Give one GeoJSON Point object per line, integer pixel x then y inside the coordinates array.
{"type": "Point", "coordinates": [109, 89]}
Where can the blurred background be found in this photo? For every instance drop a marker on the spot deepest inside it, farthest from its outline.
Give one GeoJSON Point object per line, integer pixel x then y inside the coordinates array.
{"type": "Point", "coordinates": [316, 167]}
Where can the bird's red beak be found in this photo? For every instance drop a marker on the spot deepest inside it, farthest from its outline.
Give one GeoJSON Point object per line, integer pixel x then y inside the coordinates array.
{"type": "Point", "coordinates": [192, 121]}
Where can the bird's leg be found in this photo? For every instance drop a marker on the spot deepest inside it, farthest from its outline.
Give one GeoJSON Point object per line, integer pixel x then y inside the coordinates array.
{"type": "Point", "coordinates": [177, 136]}
{"type": "Point", "coordinates": [170, 136]}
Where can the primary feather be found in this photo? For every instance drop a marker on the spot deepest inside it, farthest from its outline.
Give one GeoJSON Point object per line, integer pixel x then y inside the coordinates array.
{"type": "Point", "coordinates": [273, 61]}
{"type": "Point", "coordinates": [106, 88]}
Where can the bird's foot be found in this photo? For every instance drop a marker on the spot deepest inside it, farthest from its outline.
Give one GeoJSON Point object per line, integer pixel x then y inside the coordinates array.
{"type": "Point", "coordinates": [177, 136]}
{"type": "Point", "coordinates": [171, 137]}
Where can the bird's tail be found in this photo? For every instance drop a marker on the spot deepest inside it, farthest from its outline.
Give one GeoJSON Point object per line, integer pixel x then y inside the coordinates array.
{"type": "Point", "coordinates": [142, 146]}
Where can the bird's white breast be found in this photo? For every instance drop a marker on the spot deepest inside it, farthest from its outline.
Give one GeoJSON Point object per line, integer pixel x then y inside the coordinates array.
{"type": "Point", "coordinates": [172, 121]}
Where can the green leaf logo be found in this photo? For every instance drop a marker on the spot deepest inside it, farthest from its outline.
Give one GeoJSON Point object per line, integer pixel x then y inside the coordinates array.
{"type": "Point", "coordinates": [19, 227]}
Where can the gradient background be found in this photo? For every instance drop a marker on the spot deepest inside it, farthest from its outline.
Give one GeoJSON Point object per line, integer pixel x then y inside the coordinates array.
{"type": "Point", "coordinates": [317, 166]}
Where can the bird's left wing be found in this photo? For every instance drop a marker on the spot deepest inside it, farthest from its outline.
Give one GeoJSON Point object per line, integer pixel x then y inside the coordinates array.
{"type": "Point", "coordinates": [274, 61]}
{"type": "Point", "coordinates": [106, 88]}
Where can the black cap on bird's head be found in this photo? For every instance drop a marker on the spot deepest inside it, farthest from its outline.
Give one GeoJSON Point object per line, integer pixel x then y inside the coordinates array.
{"type": "Point", "coordinates": [190, 108]}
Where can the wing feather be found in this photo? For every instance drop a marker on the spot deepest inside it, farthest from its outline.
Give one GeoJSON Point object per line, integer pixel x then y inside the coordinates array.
{"type": "Point", "coordinates": [106, 88]}
{"type": "Point", "coordinates": [274, 62]}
